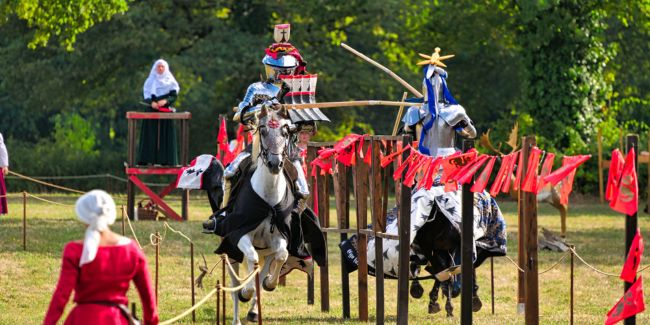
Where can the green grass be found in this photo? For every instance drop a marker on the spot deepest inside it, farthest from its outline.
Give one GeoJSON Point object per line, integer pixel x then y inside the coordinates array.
{"type": "Point", "coordinates": [28, 278]}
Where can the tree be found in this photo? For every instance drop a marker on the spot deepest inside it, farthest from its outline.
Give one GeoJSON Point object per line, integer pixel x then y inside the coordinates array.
{"type": "Point", "coordinates": [64, 19]}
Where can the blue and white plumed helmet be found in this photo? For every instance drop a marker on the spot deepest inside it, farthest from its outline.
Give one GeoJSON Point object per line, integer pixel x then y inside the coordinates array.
{"type": "Point", "coordinates": [281, 65]}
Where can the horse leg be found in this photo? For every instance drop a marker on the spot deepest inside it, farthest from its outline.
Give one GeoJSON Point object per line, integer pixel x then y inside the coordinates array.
{"type": "Point", "coordinates": [234, 294]}
{"type": "Point", "coordinates": [416, 288]}
{"type": "Point", "coordinates": [434, 307]}
{"type": "Point", "coordinates": [246, 246]}
{"type": "Point", "coordinates": [476, 301]}
{"type": "Point", "coordinates": [279, 246]}
{"type": "Point", "coordinates": [252, 315]}
{"type": "Point", "coordinates": [449, 308]}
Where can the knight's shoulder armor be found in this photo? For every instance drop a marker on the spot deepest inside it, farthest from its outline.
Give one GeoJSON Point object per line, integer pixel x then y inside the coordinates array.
{"type": "Point", "coordinates": [257, 93]}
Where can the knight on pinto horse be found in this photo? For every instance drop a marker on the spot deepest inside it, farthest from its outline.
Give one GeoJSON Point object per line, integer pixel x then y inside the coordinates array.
{"type": "Point", "coordinates": [436, 213]}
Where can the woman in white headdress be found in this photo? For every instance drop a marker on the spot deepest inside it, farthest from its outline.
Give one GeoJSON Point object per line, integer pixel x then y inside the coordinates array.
{"type": "Point", "coordinates": [158, 137]}
{"type": "Point", "coordinates": [99, 270]}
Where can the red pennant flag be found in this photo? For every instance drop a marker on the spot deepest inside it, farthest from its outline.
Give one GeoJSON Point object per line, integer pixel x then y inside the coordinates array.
{"type": "Point", "coordinates": [452, 164]}
{"type": "Point", "coordinates": [498, 180]}
{"type": "Point", "coordinates": [481, 182]}
{"type": "Point", "coordinates": [465, 175]}
{"type": "Point", "coordinates": [347, 155]}
{"type": "Point", "coordinates": [386, 160]}
{"type": "Point", "coordinates": [566, 186]}
{"type": "Point", "coordinates": [406, 163]}
{"type": "Point", "coordinates": [425, 169]}
{"type": "Point", "coordinates": [530, 181]}
{"type": "Point", "coordinates": [614, 174]}
{"type": "Point", "coordinates": [562, 172]}
{"type": "Point", "coordinates": [508, 174]}
{"type": "Point", "coordinates": [368, 157]}
{"type": "Point", "coordinates": [222, 139]}
{"type": "Point", "coordinates": [630, 304]}
{"type": "Point", "coordinates": [432, 172]}
{"type": "Point", "coordinates": [628, 273]}
{"type": "Point", "coordinates": [546, 169]}
{"type": "Point", "coordinates": [520, 164]}
{"type": "Point", "coordinates": [415, 166]}
{"type": "Point", "coordinates": [627, 197]}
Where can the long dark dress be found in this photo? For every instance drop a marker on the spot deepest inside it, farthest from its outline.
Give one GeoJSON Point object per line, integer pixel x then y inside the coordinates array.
{"type": "Point", "coordinates": [158, 142]}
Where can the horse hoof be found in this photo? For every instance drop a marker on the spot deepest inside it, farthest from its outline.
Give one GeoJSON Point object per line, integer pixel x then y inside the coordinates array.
{"type": "Point", "coordinates": [266, 287]}
{"type": "Point", "coordinates": [242, 298]}
{"type": "Point", "coordinates": [476, 304]}
{"type": "Point", "coordinates": [434, 308]}
{"type": "Point", "coordinates": [416, 290]}
{"type": "Point", "coordinates": [251, 317]}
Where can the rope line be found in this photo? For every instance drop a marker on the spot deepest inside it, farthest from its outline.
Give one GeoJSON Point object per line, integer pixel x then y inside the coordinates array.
{"type": "Point", "coordinates": [248, 278]}
{"type": "Point", "coordinates": [232, 270]}
{"type": "Point", "coordinates": [187, 312]}
{"type": "Point", "coordinates": [589, 265]}
{"type": "Point", "coordinates": [121, 179]}
{"type": "Point", "coordinates": [46, 183]}
{"type": "Point", "coordinates": [128, 220]}
{"type": "Point", "coordinates": [556, 263]}
{"type": "Point", "coordinates": [514, 263]}
{"type": "Point", "coordinates": [48, 201]}
{"type": "Point", "coordinates": [178, 232]}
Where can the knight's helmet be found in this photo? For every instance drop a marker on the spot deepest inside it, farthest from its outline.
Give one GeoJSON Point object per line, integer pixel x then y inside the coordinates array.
{"type": "Point", "coordinates": [281, 57]}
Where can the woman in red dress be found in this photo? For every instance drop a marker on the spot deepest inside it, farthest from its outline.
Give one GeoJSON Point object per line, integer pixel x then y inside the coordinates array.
{"type": "Point", "coordinates": [99, 270]}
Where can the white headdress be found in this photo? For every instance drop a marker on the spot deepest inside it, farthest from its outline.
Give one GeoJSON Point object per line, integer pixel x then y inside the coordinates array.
{"type": "Point", "coordinates": [96, 209]}
{"type": "Point", "coordinates": [159, 84]}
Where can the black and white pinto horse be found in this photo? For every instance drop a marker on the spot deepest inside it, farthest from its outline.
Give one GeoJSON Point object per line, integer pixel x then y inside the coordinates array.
{"type": "Point", "coordinates": [257, 223]}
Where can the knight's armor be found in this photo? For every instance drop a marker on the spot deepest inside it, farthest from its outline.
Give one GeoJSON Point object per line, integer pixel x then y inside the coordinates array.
{"type": "Point", "coordinates": [441, 121]}
{"type": "Point", "coordinates": [286, 83]}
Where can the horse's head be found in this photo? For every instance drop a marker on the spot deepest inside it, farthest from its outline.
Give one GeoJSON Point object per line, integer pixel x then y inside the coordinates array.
{"type": "Point", "coordinates": [274, 126]}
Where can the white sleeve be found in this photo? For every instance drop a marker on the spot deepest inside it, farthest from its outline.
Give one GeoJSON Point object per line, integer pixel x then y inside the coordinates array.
{"type": "Point", "coordinates": [4, 157]}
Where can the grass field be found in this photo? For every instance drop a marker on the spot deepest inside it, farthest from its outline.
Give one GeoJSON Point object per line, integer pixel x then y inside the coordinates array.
{"type": "Point", "coordinates": [28, 278]}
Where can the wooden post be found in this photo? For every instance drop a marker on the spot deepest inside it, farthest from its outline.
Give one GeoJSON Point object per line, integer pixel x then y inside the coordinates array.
{"type": "Point", "coordinates": [404, 247]}
{"type": "Point", "coordinates": [130, 187]}
{"type": "Point", "coordinates": [192, 278]}
{"type": "Point", "coordinates": [631, 221]}
{"type": "Point", "coordinates": [223, 292]}
{"type": "Point", "coordinates": [324, 216]}
{"type": "Point", "coordinates": [311, 155]}
{"type": "Point", "coordinates": [467, 246]}
{"type": "Point", "coordinates": [601, 191]}
{"type": "Point", "coordinates": [492, 281]}
{"type": "Point", "coordinates": [258, 292]}
{"type": "Point", "coordinates": [341, 193]}
{"type": "Point", "coordinates": [378, 225]}
{"type": "Point", "coordinates": [571, 311]}
{"type": "Point", "coordinates": [521, 243]}
{"type": "Point", "coordinates": [24, 220]}
{"type": "Point", "coordinates": [123, 225]}
{"type": "Point", "coordinates": [157, 255]}
{"type": "Point", "coordinates": [530, 233]}
{"type": "Point", "coordinates": [217, 311]}
{"type": "Point", "coordinates": [360, 182]}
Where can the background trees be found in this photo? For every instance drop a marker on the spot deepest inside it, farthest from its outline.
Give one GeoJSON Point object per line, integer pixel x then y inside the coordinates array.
{"type": "Point", "coordinates": [561, 68]}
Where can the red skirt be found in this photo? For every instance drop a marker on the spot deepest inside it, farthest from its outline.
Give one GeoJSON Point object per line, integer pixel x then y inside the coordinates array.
{"type": "Point", "coordinates": [3, 195]}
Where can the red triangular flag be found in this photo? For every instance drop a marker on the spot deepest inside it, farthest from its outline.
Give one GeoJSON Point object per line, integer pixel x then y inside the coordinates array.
{"type": "Point", "coordinates": [614, 174]}
{"type": "Point", "coordinates": [630, 304]}
{"type": "Point", "coordinates": [498, 180]}
{"type": "Point", "coordinates": [530, 181]}
{"type": "Point", "coordinates": [452, 164]}
{"type": "Point", "coordinates": [222, 139]}
{"type": "Point", "coordinates": [416, 165]}
{"type": "Point", "coordinates": [465, 175]}
{"type": "Point", "coordinates": [633, 260]}
{"type": "Point", "coordinates": [406, 163]}
{"type": "Point", "coordinates": [508, 175]}
{"type": "Point", "coordinates": [368, 157]}
{"type": "Point", "coordinates": [482, 180]}
{"type": "Point", "coordinates": [566, 186]}
{"type": "Point", "coordinates": [547, 166]}
{"type": "Point", "coordinates": [627, 197]}
{"type": "Point", "coordinates": [386, 160]}
{"type": "Point", "coordinates": [432, 172]}
{"type": "Point", "coordinates": [427, 160]}
{"type": "Point", "coordinates": [520, 164]}
{"type": "Point", "coordinates": [562, 172]}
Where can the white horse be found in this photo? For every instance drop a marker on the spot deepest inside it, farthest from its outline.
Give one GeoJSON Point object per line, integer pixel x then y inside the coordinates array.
{"type": "Point", "coordinates": [270, 184]}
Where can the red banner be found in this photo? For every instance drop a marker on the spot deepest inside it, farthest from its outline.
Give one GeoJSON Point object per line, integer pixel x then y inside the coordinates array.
{"type": "Point", "coordinates": [630, 304]}
{"type": "Point", "coordinates": [633, 260]}
{"type": "Point", "coordinates": [626, 199]}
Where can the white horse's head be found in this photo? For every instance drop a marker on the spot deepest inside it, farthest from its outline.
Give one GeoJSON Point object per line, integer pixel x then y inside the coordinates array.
{"type": "Point", "coordinates": [274, 129]}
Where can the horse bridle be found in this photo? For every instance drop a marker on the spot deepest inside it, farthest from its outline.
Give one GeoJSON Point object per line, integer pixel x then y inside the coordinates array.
{"type": "Point", "coordinates": [264, 150]}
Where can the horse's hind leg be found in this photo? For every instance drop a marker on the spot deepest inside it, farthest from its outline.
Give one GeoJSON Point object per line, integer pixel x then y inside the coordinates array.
{"type": "Point", "coordinates": [246, 246]}
{"type": "Point", "coordinates": [434, 307]}
{"type": "Point", "coordinates": [449, 308]}
{"type": "Point", "coordinates": [252, 315]}
{"type": "Point", "coordinates": [279, 246]}
{"type": "Point", "coordinates": [416, 288]}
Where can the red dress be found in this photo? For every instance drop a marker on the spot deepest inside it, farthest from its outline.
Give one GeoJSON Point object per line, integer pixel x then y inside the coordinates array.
{"type": "Point", "coordinates": [105, 279]}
